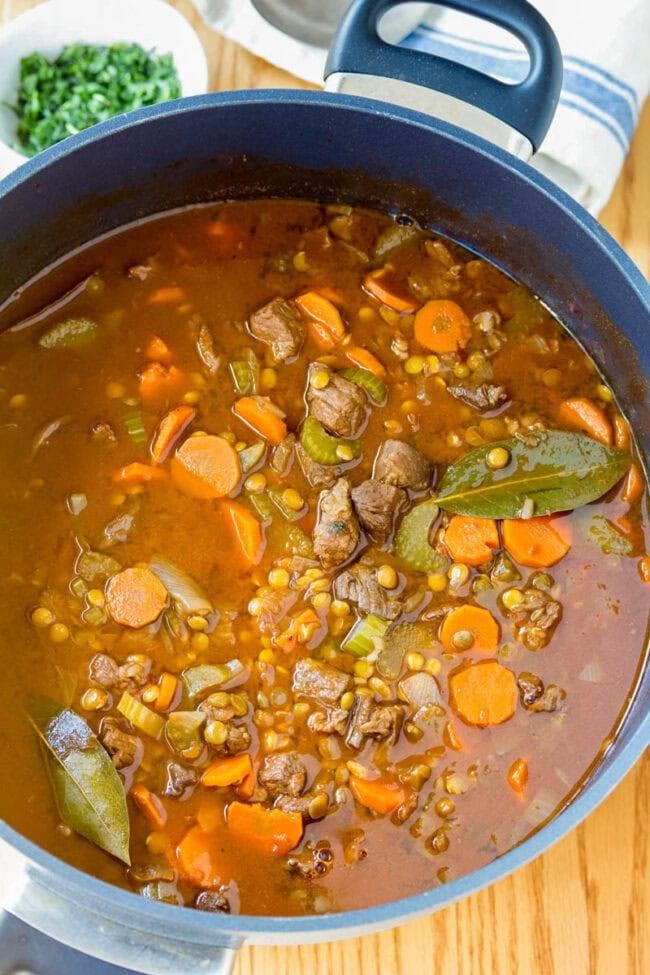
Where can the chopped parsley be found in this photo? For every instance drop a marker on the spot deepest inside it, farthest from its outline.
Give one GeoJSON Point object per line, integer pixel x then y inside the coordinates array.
{"type": "Point", "coordinates": [86, 84]}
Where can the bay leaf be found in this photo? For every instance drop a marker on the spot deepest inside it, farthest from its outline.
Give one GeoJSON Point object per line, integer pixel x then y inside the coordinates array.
{"type": "Point", "coordinates": [88, 791]}
{"type": "Point", "coordinates": [559, 471]}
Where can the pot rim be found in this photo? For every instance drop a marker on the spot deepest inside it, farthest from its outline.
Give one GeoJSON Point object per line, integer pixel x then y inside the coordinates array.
{"type": "Point", "coordinates": [629, 745]}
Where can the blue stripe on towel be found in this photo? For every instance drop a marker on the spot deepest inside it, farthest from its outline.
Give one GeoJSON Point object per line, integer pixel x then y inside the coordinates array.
{"type": "Point", "coordinates": [586, 88]}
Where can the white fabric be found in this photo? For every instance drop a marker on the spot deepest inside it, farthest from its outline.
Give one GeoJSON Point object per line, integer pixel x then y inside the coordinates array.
{"type": "Point", "coordinates": [606, 72]}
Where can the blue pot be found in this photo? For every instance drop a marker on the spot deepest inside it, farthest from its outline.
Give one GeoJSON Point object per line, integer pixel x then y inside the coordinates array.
{"type": "Point", "coordinates": [361, 151]}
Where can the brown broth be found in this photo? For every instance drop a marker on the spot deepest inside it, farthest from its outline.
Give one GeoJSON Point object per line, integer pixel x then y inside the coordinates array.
{"type": "Point", "coordinates": [269, 249]}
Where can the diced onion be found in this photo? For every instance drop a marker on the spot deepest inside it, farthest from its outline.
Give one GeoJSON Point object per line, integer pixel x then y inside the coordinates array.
{"type": "Point", "coordinates": [182, 587]}
{"type": "Point", "coordinates": [420, 690]}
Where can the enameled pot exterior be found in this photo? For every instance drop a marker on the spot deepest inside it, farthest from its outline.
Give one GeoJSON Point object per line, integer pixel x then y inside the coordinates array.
{"type": "Point", "coordinates": [314, 145]}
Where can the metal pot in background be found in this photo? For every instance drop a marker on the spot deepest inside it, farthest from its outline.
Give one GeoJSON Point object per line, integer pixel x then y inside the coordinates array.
{"type": "Point", "coordinates": [363, 151]}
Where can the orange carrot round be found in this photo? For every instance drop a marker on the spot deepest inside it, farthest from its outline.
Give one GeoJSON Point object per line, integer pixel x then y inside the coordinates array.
{"type": "Point", "coordinates": [160, 384]}
{"type": "Point", "coordinates": [469, 628]}
{"type": "Point", "coordinates": [483, 694]}
{"type": "Point", "coordinates": [262, 418]}
{"type": "Point", "coordinates": [206, 467]}
{"type": "Point", "coordinates": [197, 858]}
{"type": "Point", "coordinates": [633, 485]}
{"type": "Point", "coordinates": [270, 832]}
{"type": "Point", "coordinates": [518, 775]}
{"type": "Point", "coordinates": [471, 540]}
{"type": "Point", "coordinates": [326, 324]}
{"type": "Point", "coordinates": [169, 430]}
{"type": "Point", "coordinates": [583, 413]}
{"type": "Point", "coordinates": [365, 360]}
{"type": "Point", "coordinates": [135, 597]}
{"type": "Point", "coordinates": [158, 350]}
{"type": "Point", "coordinates": [149, 805]}
{"type": "Point", "coordinates": [167, 687]}
{"type": "Point", "coordinates": [385, 286]}
{"type": "Point", "coordinates": [248, 531]}
{"type": "Point", "coordinates": [227, 771]}
{"type": "Point", "coordinates": [137, 473]}
{"type": "Point", "coordinates": [377, 795]}
{"type": "Point", "coordinates": [442, 326]}
{"type": "Point", "coordinates": [534, 542]}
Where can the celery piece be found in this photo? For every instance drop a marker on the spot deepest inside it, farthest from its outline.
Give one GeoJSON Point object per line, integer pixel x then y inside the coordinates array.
{"type": "Point", "coordinates": [322, 447]}
{"type": "Point", "coordinates": [140, 716]}
{"type": "Point", "coordinates": [365, 636]}
{"type": "Point", "coordinates": [411, 545]}
{"type": "Point", "coordinates": [373, 385]}
{"type": "Point", "coordinates": [183, 730]}
{"type": "Point", "coordinates": [250, 457]}
{"type": "Point", "coordinates": [245, 370]}
{"type": "Point", "coordinates": [203, 677]}
{"type": "Point", "coordinates": [135, 425]}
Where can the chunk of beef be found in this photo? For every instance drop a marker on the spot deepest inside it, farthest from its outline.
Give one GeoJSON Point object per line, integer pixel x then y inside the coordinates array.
{"type": "Point", "coordinates": [283, 774]}
{"type": "Point", "coordinates": [206, 350]}
{"type": "Point", "coordinates": [401, 464]}
{"type": "Point", "coordinates": [535, 697]}
{"type": "Point", "coordinates": [318, 475]}
{"type": "Point", "coordinates": [117, 530]}
{"type": "Point", "coordinates": [238, 740]}
{"type": "Point", "coordinates": [214, 901]}
{"type": "Point", "coordinates": [334, 720]}
{"type": "Point", "coordinates": [179, 778]}
{"type": "Point", "coordinates": [123, 748]}
{"type": "Point", "coordinates": [130, 675]}
{"type": "Point", "coordinates": [370, 720]}
{"type": "Point", "coordinates": [336, 534]}
{"type": "Point", "coordinates": [311, 805]}
{"type": "Point", "coordinates": [279, 325]}
{"type": "Point", "coordinates": [341, 406]}
{"type": "Point", "coordinates": [481, 396]}
{"type": "Point", "coordinates": [359, 585]}
{"type": "Point", "coordinates": [319, 681]}
{"type": "Point", "coordinates": [103, 670]}
{"type": "Point", "coordinates": [377, 504]}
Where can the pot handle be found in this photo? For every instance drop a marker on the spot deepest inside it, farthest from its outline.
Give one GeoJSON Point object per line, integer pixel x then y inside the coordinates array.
{"type": "Point", "coordinates": [358, 52]}
{"type": "Point", "coordinates": [26, 951]}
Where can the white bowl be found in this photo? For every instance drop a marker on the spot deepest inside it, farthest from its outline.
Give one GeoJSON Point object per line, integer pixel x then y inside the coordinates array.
{"type": "Point", "coordinates": [50, 26]}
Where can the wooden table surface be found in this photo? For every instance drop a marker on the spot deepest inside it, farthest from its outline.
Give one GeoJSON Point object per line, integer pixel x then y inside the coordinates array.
{"type": "Point", "coordinates": [583, 908]}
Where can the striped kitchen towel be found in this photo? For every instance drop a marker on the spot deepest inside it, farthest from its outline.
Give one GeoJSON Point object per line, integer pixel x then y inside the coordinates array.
{"type": "Point", "coordinates": [606, 72]}
{"type": "Point", "coordinates": [606, 80]}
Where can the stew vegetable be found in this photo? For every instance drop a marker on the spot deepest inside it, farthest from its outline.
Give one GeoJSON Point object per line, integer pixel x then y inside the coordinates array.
{"type": "Point", "coordinates": [326, 575]}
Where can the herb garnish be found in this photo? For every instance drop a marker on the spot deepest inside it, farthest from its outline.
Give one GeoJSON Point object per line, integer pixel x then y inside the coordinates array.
{"type": "Point", "coordinates": [86, 84]}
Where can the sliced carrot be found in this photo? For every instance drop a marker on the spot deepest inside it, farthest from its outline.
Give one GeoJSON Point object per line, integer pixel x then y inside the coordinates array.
{"type": "Point", "coordinates": [621, 432]}
{"type": "Point", "coordinates": [365, 360]}
{"type": "Point", "coordinates": [210, 814]}
{"type": "Point", "coordinates": [248, 531]}
{"type": "Point", "coordinates": [197, 858]}
{"type": "Point", "coordinates": [583, 413]}
{"type": "Point", "coordinates": [160, 384]}
{"type": "Point", "coordinates": [325, 320]}
{"type": "Point", "coordinates": [534, 541]}
{"type": "Point", "coordinates": [169, 430]}
{"type": "Point", "coordinates": [158, 350]}
{"type": "Point", "coordinates": [469, 628]}
{"type": "Point", "coordinates": [389, 289]}
{"type": "Point", "coordinates": [377, 795]}
{"type": "Point", "coordinates": [518, 775]}
{"type": "Point", "coordinates": [135, 597]}
{"type": "Point", "coordinates": [270, 832]}
{"type": "Point", "coordinates": [166, 296]}
{"type": "Point", "coordinates": [206, 467]}
{"type": "Point", "coordinates": [450, 737]}
{"type": "Point", "coordinates": [149, 805]}
{"type": "Point", "coordinates": [228, 771]}
{"type": "Point", "coordinates": [471, 540]}
{"type": "Point", "coordinates": [633, 485]}
{"type": "Point", "coordinates": [167, 687]}
{"type": "Point", "coordinates": [246, 787]}
{"type": "Point", "coordinates": [442, 326]}
{"type": "Point", "coordinates": [483, 694]}
{"type": "Point", "coordinates": [261, 416]}
{"type": "Point", "coordinates": [137, 473]}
